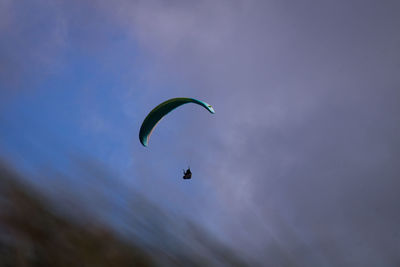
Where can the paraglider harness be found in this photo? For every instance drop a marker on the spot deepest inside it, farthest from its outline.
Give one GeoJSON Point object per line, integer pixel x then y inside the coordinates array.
{"type": "Point", "coordinates": [187, 174]}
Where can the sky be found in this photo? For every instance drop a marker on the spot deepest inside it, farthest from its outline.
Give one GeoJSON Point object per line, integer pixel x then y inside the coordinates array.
{"type": "Point", "coordinates": [300, 162]}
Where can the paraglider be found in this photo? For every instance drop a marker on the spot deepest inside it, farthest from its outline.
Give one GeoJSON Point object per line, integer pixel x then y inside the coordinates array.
{"type": "Point", "coordinates": [154, 117]}
{"type": "Point", "coordinates": [187, 174]}
{"type": "Point", "coordinates": [158, 113]}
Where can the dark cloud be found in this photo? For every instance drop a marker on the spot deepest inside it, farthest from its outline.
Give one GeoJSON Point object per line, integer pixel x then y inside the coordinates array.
{"type": "Point", "coordinates": [32, 37]}
{"type": "Point", "coordinates": [37, 38]}
{"type": "Point", "coordinates": [307, 108]}
{"type": "Point", "coordinates": [300, 161]}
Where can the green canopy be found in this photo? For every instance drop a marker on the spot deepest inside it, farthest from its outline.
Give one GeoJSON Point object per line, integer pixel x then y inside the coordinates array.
{"type": "Point", "coordinates": [154, 117]}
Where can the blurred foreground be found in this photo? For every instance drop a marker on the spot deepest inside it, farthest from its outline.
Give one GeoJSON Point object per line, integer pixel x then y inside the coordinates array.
{"type": "Point", "coordinates": [36, 231]}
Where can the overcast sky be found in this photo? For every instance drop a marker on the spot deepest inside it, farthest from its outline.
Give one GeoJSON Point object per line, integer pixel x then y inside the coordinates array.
{"type": "Point", "coordinates": [300, 162]}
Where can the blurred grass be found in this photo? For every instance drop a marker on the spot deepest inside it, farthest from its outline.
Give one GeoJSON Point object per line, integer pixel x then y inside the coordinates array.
{"type": "Point", "coordinates": [34, 233]}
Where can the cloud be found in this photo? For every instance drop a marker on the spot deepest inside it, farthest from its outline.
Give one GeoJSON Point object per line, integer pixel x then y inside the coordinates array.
{"type": "Point", "coordinates": [305, 128]}
{"type": "Point", "coordinates": [32, 37]}
{"type": "Point", "coordinates": [300, 158]}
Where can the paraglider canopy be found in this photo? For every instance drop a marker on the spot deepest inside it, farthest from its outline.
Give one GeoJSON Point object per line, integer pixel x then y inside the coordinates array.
{"type": "Point", "coordinates": [154, 117]}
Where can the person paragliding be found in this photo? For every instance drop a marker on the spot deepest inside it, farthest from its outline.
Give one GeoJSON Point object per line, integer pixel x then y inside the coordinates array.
{"type": "Point", "coordinates": [187, 174]}
{"type": "Point", "coordinates": [159, 112]}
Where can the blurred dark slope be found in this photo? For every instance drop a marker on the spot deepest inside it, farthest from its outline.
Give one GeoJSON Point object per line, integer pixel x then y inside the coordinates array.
{"type": "Point", "coordinates": [34, 235]}
{"type": "Point", "coordinates": [36, 232]}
